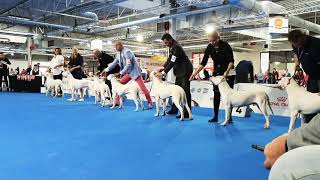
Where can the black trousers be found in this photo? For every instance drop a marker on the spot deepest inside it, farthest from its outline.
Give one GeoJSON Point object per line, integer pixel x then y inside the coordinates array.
{"type": "Point", "coordinates": [217, 95]}
{"type": "Point", "coordinates": [185, 84]}
{"type": "Point", "coordinates": [58, 77]}
{"type": "Point", "coordinates": [242, 78]}
{"type": "Point", "coordinates": [110, 87]}
{"type": "Point", "coordinates": [314, 87]}
{"type": "Point", "coordinates": [5, 76]}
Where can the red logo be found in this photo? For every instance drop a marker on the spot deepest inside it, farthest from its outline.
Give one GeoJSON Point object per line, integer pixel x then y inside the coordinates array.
{"type": "Point", "coordinates": [282, 99]}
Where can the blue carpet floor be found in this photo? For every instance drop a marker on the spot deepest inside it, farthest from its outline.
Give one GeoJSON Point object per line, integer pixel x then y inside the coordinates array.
{"type": "Point", "coordinates": [51, 139]}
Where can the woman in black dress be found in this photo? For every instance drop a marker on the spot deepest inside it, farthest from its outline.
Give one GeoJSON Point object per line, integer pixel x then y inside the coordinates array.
{"type": "Point", "coordinates": [75, 66]}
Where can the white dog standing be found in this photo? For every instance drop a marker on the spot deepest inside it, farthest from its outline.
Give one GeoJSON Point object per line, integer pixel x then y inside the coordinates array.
{"type": "Point", "coordinates": [232, 98]}
{"type": "Point", "coordinates": [300, 100]}
{"type": "Point", "coordinates": [119, 89]}
{"type": "Point", "coordinates": [163, 91]}
{"type": "Point", "coordinates": [53, 85]}
{"type": "Point", "coordinates": [101, 91]}
{"type": "Point", "coordinates": [75, 85]}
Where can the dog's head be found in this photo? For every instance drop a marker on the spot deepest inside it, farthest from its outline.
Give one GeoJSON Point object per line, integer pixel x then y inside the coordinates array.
{"type": "Point", "coordinates": [110, 76]}
{"type": "Point", "coordinates": [154, 74]}
{"type": "Point", "coordinates": [66, 74]}
{"type": "Point", "coordinates": [216, 80]}
{"type": "Point", "coordinates": [48, 75]}
{"type": "Point", "coordinates": [284, 82]}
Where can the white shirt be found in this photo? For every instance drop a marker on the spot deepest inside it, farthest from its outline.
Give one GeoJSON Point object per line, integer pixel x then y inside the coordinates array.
{"type": "Point", "coordinates": [57, 60]}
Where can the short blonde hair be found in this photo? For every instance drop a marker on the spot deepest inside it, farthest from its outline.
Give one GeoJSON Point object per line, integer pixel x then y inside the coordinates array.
{"type": "Point", "coordinates": [214, 34]}
{"type": "Point", "coordinates": [75, 49]}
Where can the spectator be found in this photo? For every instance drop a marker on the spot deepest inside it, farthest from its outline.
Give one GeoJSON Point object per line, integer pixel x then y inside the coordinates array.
{"type": "Point", "coordinates": [17, 71]}
{"type": "Point", "coordinates": [287, 74]}
{"type": "Point", "coordinates": [275, 76]}
{"type": "Point", "coordinates": [306, 135]}
{"type": "Point", "coordinates": [4, 71]}
{"type": "Point", "coordinates": [266, 77]}
{"type": "Point", "coordinates": [259, 77]}
{"type": "Point", "coordinates": [300, 78]}
{"type": "Point", "coordinates": [29, 70]}
{"type": "Point", "coordinates": [35, 70]}
{"type": "Point", "coordinates": [23, 72]}
{"type": "Point", "coordinates": [12, 72]}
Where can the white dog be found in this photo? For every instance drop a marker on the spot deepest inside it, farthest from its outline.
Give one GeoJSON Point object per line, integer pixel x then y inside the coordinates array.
{"type": "Point", "coordinates": [101, 91]}
{"type": "Point", "coordinates": [53, 85]}
{"type": "Point", "coordinates": [75, 85]}
{"type": "Point", "coordinates": [163, 91]}
{"type": "Point", "coordinates": [119, 89]}
{"type": "Point", "coordinates": [300, 100]}
{"type": "Point", "coordinates": [232, 98]}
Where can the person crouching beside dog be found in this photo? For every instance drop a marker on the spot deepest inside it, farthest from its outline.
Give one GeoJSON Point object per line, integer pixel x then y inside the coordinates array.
{"type": "Point", "coordinates": [104, 59]}
{"type": "Point", "coordinates": [129, 69]}
{"type": "Point", "coordinates": [222, 56]}
{"type": "Point", "coordinates": [182, 69]}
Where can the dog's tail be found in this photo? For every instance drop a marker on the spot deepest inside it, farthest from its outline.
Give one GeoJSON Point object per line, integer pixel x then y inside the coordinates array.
{"type": "Point", "coordinates": [269, 104]}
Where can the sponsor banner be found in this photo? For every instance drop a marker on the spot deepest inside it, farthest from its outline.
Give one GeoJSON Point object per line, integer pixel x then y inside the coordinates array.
{"type": "Point", "coordinates": [26, 77]}
{"type": "Point", "coordinates": [278, 98]}
{"type": "Point", "coordinates": [152, 63]}
{"type": "Point", "coordinates": [278, 24]}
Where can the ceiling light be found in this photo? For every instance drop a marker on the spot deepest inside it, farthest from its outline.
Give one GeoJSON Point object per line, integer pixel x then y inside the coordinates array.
{"type": "Point", "coordinates": [134, 27]}
{"type": "Point", "coordinates": [140, 38]}
{"type": "Point", "coordinates": [158, 40]}
{"type": "Point", "coordinates": [210, 29]}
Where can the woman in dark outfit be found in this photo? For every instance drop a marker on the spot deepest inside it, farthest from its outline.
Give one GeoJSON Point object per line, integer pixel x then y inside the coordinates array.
{"type": "Point", "coordinates": [75, 64]}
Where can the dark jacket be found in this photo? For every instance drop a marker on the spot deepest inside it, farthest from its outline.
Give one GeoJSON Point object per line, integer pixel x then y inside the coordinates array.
{"type": "Point", "coordinates": [104, 60]}
{"type": "Point", "coordinates": [309, 57]}
{"type": "Point", "coordinates": [179, 61]}
{"type": "Point", "coordinates": [74, 62]}
{"type": "Point", "coordinates": [221, 57]}
{"type": "Point", "coordinates": [4, 67]}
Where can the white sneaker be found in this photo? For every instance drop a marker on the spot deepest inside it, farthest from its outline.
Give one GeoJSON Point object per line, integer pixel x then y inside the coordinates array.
{"type": "Point", "coordinates": [70, 99]}
{"type": "Point", "coordinates": [81, 100]}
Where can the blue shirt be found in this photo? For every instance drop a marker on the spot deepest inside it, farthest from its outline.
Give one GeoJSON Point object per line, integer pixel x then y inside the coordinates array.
{"type": "Point", "coordinates": [127, 62]}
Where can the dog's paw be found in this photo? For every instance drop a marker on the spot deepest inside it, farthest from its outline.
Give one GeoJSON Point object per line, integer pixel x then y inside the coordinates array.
{"type": "Point", "coordinates": [181, 119]}
{"type": "Point", "coordinates": [266, 126]}
{"type": "Point", "coordinates": [223, 124]}
{"type": "Point", "coordinates": [164, 114]}
{"type": "Point", "coordinates": [112, 107]}
{"type": "Point", "coordinates": [156, 114]}
{"type": "Point", "coordinates": [136, 110]}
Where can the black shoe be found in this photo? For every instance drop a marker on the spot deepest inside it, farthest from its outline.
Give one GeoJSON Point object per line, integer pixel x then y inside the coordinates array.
{"type": "Point", "coordinates": [213, 120]}
{"type": "Point", "coordinates": [172, 112]}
